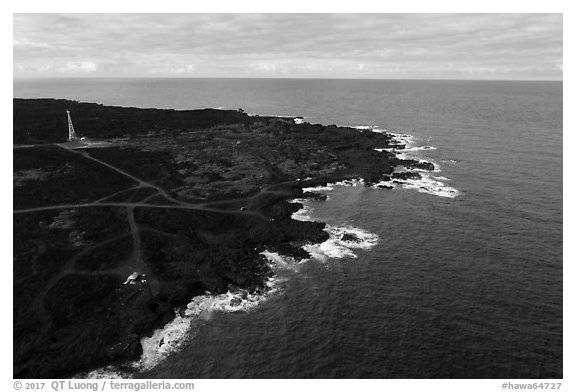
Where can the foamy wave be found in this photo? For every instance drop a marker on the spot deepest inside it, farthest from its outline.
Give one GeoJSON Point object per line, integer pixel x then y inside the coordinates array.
{"type": "Point", "coordinates": [173, 335]}
{"type": "Point", "coordinates": [403, 138]}
{"type": "Point", "coordinates": [204, 305]}
{"type": "Point", "coordinates": [372, 128]}
{"type": "Point", "coordinates": [342, 239]}
{"type": "Point", "coordinates": [163, 342]}
{"type": "Point", "coordinates": [303, 214]}
{"type": "Point", "coordinates": [330, 186]}
{"type": "Point", "coordinates": [108, 372]}
{"type": "Point", "coordinates": [430, 184]}
{"type": "Point", "coordinates": [319, 188]}
{"type": "Point", "coordinates": [362, 127]}
{"type": "Point", "coordinates": [420, 148]}
{"type": "Point", "coordinates": [342, 242]}
{"type": "Point", "coordinates": [353, 182]}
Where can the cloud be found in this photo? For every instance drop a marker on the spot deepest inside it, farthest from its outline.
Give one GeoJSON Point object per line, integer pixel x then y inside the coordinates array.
{"type": "Point", "coordinates": [265, 67]}
{"type": "Point", "coordinates": [299, 45]}
{"type": "Point", "coordinates": [81, 66]}
{"type": "Point", "coordinates": [172, 69]}
{"type": "Point", "coordinates": [25, 43]}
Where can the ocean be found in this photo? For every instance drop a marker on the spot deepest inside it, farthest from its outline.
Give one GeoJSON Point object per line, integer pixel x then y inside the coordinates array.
{"type": "Point", "coordinates": [459, 277]}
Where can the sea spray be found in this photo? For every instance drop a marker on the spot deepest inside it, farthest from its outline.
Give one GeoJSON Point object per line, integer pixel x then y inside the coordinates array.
{"type": "Point", "coordinates": [427, 183]}
{"type": "Point", "coordinates": [342, 240]}
{"type": "Point", "coordinates": [172, 336]}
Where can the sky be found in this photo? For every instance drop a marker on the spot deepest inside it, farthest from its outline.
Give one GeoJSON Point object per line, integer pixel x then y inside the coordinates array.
{"type": "Point", "coordinates": [357, 46]}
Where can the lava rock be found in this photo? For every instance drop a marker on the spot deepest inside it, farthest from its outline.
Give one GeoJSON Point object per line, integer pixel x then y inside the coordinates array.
{"type": "Point", "coordinates": [350, 237]}
{"type": "Point", "coordinates": [314, 196]}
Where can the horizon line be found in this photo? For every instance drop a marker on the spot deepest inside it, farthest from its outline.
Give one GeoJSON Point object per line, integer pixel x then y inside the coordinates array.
{"type": "Point", "coordinates": [32, 78]}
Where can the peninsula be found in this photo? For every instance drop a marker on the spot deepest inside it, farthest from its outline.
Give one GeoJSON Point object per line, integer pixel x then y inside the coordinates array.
{"type": "Point", "coordinates": [117, 229]}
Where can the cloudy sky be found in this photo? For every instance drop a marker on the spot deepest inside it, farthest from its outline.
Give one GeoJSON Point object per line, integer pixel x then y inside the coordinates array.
{"type": "Point", "coordinates": [392, 46]}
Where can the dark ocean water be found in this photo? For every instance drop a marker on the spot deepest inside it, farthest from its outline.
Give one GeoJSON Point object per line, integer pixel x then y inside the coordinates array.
{"type": "Point", "coordinates": [464, 287]}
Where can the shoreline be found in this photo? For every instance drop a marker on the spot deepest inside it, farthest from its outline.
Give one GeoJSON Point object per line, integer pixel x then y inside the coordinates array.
{"type": "Point", "coordinates": [343, 241]}
{"type": "Point", "coordinates": [253, 227]}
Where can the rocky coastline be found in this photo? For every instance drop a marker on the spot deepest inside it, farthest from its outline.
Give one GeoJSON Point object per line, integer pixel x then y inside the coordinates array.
{"type": "Point", "coordinates": [189, 200]}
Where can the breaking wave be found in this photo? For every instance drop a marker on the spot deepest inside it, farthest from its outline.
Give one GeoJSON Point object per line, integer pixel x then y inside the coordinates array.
{"type": "Point", "coordinates": [420, 148]}
{"type": "Point", "coordinates": [428, 182]}
{"type": "Point", "coordinates": [304, 213]}
{"type": "Point", "coordinates": [372, 128]}
{"type": "Point", "coordinates": [109, 372]}
{"type": "Point", "coordinates": [170, 339]}
{"type": "Point", "coordinates": [330, 186]}
{"type": "Point", "coordinates": [172, 336]}
{"type": "Point", "coordinates": [406, 148]}
{"type": "Point", "coordinates": [342, 240]}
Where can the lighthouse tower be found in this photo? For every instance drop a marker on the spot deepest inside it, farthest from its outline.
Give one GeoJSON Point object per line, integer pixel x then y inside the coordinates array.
{"type": "Point", "coordinates": [71, 134]}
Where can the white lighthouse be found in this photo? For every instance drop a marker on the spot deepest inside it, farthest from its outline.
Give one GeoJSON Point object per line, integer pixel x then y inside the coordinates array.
{"type": "Point", "coordinates": [71, 134]}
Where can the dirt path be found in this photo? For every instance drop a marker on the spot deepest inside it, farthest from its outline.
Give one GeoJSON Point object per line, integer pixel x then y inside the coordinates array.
{"type": "Point", "coordinates": [142, 205]}
{"type": "Point", "coordinates": [69, 268]}
{"type": "Point", "coordinates": [138, 263]}
{"type": "Point", "coordinates": [133, 188]}
{"type": "Point", "coordinates": [178, 204]}
{"type": "Point", "coordinates": [141, 182]}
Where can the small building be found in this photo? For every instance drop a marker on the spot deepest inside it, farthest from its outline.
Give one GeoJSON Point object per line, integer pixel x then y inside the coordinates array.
{"type": "Point", "coordinates": [135, 277]}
